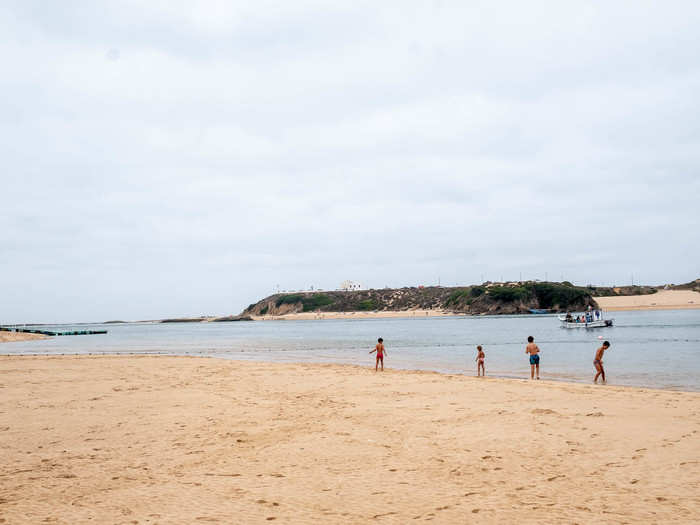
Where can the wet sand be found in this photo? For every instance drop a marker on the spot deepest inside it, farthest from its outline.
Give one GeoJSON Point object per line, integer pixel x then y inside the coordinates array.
{"type": "Point", "coordinates": [193, 440]}
{"type": "Point", "coordinates": [662, 300]}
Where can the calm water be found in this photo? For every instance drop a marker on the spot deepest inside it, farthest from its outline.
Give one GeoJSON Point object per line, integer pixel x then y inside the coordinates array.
{"type": "Point", "coordinates": [652, 349]}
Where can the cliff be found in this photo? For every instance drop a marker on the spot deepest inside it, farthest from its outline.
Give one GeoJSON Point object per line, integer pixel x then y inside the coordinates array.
{"type": "Point", "coordinates": [509, 298]}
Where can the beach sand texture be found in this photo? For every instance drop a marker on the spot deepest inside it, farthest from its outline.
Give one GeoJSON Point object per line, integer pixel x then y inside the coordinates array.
{"type": "Point", "coordinates": [195, 440]}
{"type": "Point", "coordinates": [9, 337]}
{"type": "Point", "coordinates": [661, 300]}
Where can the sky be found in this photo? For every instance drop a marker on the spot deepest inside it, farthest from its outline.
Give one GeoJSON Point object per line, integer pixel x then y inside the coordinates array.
{"type": "Point", "coordinates": [163, 159]}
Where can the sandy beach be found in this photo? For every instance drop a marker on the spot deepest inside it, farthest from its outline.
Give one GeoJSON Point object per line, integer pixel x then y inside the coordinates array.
{"type": "Point", "coordinates": [9, 337]}
{"type": "Point", "coordinates": [383, 314]}
{"type": "Point", "coordinates": [661, 300]}
{"type": "Point", "coordinates": [195, 440]}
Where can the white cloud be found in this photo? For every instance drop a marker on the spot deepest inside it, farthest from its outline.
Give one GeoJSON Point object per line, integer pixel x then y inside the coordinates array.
{"type": "Point", "coordinates": [171, 158]}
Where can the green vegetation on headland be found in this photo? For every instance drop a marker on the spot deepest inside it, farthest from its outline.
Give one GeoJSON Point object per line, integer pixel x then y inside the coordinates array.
{"type": "Point", "coordinates": [612, 291]}
{"type": "Point", "coordinates": [692, 285]}
{"type": "Point", "coordinates": [486, 298]}
{"type": "Point", "coordinates": [608, 291]}
{"type": "Point", "coordinates": [489, 298]}
{"type": "Point", "coordinates": [309, 302]}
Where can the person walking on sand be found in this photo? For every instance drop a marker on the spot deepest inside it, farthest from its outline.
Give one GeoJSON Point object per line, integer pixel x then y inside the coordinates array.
{"type": "Point", "coordinates": [380, 354]}
{"type": "Point", "coordinates": [480, 361]}
{"type": "Point", "coordinates": [598, 362]}
{"type": "Point", "coordinates": [534, 352]}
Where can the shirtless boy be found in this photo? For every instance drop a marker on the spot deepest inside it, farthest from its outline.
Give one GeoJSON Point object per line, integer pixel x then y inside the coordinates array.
{"type": "Point", "coordinates": [598, 361]}
{"type": "Point", "coordinates": [380, 353]}
{"type": "Point", "coordinates": [480, 361]}
{"type": "Point", "coordinates": [534, 352]}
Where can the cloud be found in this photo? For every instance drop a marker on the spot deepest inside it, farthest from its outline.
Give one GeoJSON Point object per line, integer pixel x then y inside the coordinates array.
{"type": "Point", "coordinates": [170, 159]}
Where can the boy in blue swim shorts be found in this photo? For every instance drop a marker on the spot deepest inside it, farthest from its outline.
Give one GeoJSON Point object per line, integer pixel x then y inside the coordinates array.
{"type": "Point", "coordinates": [534, 352]}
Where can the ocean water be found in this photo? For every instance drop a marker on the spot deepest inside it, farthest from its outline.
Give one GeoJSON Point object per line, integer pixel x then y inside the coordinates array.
{"type": "Point", "coordinates": [659, 349]}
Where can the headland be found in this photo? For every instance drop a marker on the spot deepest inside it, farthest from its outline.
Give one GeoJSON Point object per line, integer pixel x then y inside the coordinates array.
{"type": "Point", "coordinates": [486, 299]}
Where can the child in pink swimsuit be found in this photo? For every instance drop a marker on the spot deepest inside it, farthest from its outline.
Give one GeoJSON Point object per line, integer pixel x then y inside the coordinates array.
{"type": "Point", "coordinates": [480, 371]}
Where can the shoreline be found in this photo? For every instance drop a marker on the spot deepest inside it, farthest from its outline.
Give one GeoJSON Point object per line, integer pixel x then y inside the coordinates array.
{"type": "Point", "coordinates": [185, 439]}
{"type": "Point", "coordinates": [651, 308]}
{"type": "Point", "coordinates": [381, 314]}
{"type": "Point", "coordinates": [358, 367]}
{"type": "Point", "coordinates": [13, 337]}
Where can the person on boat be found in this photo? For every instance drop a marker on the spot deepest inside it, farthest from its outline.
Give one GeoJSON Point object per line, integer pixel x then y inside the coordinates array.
{"type": "Point", "coordinates": [380, 354]}
{"type": "Point", "coordinates": [569, 319]}
{"type": "Point", "coordinates": [598, 362]}
{"type": "Point", "coordinates": [480, 356]}
{"type": "Point", "coordinates": [534, 352]}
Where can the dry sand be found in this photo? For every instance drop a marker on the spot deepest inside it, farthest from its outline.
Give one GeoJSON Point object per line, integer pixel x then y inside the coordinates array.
{"type": "Point", "coordinates": [195, 440]}
{"type": "Point", "coordinates": [661, 300]}
{"type": "Point", "coordinates": [9, 337]}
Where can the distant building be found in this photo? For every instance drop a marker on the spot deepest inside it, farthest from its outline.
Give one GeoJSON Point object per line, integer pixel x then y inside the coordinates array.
{"type": "Point", "coordinates": [349, 286]}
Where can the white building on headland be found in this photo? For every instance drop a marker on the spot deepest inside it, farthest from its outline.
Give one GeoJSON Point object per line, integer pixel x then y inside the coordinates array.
{"type": "Point", "coordinates": [349, 286]}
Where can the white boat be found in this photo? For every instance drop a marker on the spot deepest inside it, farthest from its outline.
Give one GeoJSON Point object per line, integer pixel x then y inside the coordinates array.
{"type": "Point", "coordinates": [590, 319]}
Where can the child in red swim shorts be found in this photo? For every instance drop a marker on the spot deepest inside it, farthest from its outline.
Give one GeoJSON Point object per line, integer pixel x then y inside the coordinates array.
{"type": "Point", "coordinates": [380, 354]}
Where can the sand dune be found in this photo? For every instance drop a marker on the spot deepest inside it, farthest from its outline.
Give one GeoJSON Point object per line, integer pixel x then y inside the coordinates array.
{"type": "Point", "coordinates": [662, 300]}
{"type": "Point", "coordinates": [194, 440]}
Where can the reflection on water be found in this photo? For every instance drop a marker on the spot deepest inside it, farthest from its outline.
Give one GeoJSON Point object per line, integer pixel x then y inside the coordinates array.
{"type": "Point", "coordinates": [655, 349]}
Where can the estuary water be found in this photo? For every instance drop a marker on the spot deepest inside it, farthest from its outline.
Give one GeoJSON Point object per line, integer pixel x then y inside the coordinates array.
{"type": "Point", "coordinates": [657, 349]}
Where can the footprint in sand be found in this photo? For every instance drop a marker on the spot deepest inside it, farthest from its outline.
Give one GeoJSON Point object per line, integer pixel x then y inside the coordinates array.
{"type": "Point", "coordinates": [543, 411]}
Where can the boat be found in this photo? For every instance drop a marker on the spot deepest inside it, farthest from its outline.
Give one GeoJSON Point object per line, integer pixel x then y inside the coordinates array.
{"type": "Point", "coordinates": [538, 311]}
{"type": "Point", "coordinates": [590, 319]}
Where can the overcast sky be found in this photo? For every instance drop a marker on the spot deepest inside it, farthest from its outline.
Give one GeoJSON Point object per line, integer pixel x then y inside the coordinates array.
{"type": "Point", "coordinates": [180, 158]}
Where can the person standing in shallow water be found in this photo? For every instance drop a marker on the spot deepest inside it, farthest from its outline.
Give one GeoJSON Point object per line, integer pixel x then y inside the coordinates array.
{"type": "Point", "coordinates": [598, 361]}
{"type": "Point", "coordinates": [380, 353]}
{"type": "Point", "coordinates": [534, 352]}
{"type": "Point", "coordinates": [480, 356]}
